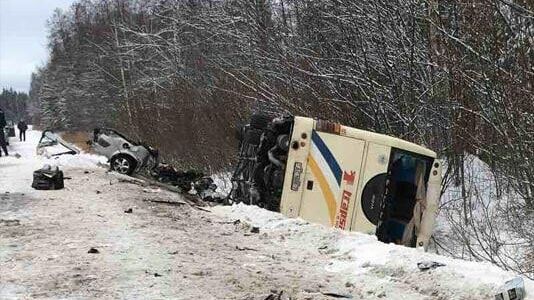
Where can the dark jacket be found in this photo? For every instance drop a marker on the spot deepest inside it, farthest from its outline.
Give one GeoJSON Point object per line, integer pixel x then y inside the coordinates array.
{"type": "Point", "coordinates": [22, 126]}
{"type": "Point", "coordinates": [2, 119]}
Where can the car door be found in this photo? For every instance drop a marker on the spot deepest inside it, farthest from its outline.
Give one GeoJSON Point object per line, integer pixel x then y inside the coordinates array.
{"type": "Point", "coordinates": [107, 145]}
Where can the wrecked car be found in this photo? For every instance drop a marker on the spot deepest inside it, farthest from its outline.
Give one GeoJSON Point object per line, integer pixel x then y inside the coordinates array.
{"type": "Point", "coordinates": [51, 144]}
{"type": "Point", "coordinates": [339, 176]}
{"type": "Point", "coordinates": [125, 156]}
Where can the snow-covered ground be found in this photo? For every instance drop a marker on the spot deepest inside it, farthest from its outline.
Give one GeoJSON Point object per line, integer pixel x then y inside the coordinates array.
{"type": "Point", "coordinates": [178, 251]}
{"type": "Point", "coordinates": [380, 268]}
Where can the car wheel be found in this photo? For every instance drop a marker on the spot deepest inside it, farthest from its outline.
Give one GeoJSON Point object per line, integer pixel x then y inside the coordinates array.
{"type": "Point", "coordinates": [123, 164]}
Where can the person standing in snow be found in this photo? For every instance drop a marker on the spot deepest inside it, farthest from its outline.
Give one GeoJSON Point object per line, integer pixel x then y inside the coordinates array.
{"type": "Point", "coordinates": [2, 136]}
{"type": "Point", "coordinates": [22, 126]}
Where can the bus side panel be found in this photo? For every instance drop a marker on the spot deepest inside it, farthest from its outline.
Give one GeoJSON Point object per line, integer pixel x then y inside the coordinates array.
{"type": "Point", "coordinates": [296, 166]}
{"type": "Point", "coordinates": [331, 179]}
{"type": "Point", "coordinates": [373, 179]}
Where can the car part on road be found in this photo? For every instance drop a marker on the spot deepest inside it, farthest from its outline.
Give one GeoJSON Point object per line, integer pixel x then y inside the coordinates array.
{"type": "Point", "coordinates": [337, 295]}
{"type": "Point", "coordinates": [275, 295]}
{"type": "Point", "coordinates": [206, 189]}
{"type": "Point", "coordinates": [339, 176]}
{"type": "Point", "coordinates": [184, 180]}
{"type": "Point", "coordinates": [93, 251]}
{"type": "Point", "coordinates": [177, 203]}
{"type": "Point", "coordinates": [51, 144]}
{"type": "Point", "coordinates": [48, 178]}
{"type": "Point", "coordinates": [125, 155]}
{"type": "Point", "coordinates": [427, 265]}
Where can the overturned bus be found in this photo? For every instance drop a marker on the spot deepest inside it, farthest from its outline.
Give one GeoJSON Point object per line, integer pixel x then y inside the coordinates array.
{"type": "Point", "coordinates": [339, 176]}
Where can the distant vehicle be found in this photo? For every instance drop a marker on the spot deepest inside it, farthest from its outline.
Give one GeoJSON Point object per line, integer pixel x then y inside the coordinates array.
{"type": "Point", "coordinates": [10, 130]}
{"type": "Point", "coordinates": [339, 176]}
{"type": "Point", "coordinates": [125, 156]}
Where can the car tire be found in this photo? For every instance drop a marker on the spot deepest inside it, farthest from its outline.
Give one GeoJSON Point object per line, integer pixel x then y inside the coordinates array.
{"type": "Point", "coordinates": [123, 164]}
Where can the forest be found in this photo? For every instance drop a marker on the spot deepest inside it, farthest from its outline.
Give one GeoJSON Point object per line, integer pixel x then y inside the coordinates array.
{"type": "Point", "coordinates": [455, 76]}
{"type": "Point", "coordinates": [15, 105]}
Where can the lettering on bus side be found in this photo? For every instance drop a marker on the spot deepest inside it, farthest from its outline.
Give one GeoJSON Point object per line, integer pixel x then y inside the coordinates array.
{"type": "Point", "coordinates": [341, 220]}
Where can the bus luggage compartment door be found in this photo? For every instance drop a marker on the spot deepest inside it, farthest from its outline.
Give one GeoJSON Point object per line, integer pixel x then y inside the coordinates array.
{"type": "Point", "coordinates": [331, 179]}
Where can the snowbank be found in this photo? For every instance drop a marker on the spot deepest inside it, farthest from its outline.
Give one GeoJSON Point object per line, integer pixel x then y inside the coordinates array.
{"type": "Point", "coordinates": [361, 258]}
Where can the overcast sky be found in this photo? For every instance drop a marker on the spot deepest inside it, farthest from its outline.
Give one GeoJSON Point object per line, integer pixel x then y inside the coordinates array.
{"type": "Point", "coordinates": [23, 39]}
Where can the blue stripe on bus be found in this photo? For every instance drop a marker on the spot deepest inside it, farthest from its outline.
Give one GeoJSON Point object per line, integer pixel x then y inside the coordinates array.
{"type": "Point", "coordinates": [327, 155]}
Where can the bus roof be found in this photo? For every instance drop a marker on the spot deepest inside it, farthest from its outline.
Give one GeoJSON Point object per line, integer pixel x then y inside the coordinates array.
{"type": "Point", "coordinates": [376, 138]}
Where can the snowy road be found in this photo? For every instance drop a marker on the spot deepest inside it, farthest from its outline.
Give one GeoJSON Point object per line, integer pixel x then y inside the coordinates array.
{"type": "Point", "coordinates": [163, 251]}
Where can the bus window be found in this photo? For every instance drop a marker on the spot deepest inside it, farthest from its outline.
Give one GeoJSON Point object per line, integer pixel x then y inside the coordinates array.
{"type": "Point", "coordinates": [404, 198]}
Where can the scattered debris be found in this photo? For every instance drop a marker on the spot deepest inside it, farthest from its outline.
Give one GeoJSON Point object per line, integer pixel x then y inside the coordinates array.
{"type": "Point", "coordinates": [337, 295]}
{"type": "Point", "coordinates": [201, 208]}
{"type": "Point", "coordinates": [155, 274]}
{"type": "Point", "coordinates": [245, 248]}
{"type": "Point", "coordinates": [206, 189]}
{"type": "Point", "coordinates": [128, 211]}
{"type": "Point", "coordinates": [427, 265]}
{"type": "Point", "coordinates": [200, 273]}
{"type": "Point", "coordinates": [129, 179]}
{"type": "Point", "coordinates": [184, 180]}
{"type": "Point", "coordinates": [275, 295]}
{"type": "Point", "coordinates": [93, 250]}
{"type": "Point", "coordinates": [9, 222]}
{"type": "Point", "coordinates": [165, 202]}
